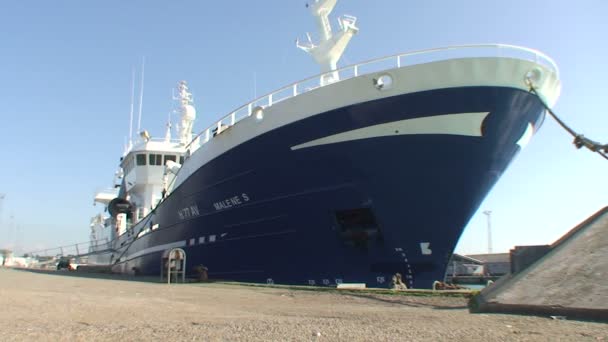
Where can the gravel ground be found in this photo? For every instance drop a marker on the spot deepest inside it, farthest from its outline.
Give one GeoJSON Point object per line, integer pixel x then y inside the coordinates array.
{"type": "Point", "coordinates": [58, 307]}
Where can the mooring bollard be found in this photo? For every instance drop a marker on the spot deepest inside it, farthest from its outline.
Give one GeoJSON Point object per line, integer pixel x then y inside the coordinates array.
{"type": "Point", "coordinates": [201, 270]}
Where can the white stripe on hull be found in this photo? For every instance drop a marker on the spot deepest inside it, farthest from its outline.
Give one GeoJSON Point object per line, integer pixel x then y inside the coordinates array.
{"type": "Point", "coordinates": [158, 248]}
{"type": "Point", "coordinates": [467, 124]}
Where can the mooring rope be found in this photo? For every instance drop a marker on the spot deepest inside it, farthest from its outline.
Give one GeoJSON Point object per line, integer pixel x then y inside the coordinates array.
{"type": "Point", "coordinates": [579, 139]}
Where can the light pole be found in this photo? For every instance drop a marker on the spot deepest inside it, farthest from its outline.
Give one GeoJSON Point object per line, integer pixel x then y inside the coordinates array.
{"type": "Point", "coordinates": [488, 213]}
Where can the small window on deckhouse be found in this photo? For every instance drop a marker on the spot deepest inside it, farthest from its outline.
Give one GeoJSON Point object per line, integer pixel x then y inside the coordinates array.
{"type": "Point", "coordinates": [140, 213]}
{"type": "Point", "coordinates": [170, 157]}
{"type": "Point", "coordinates": [156, 159]}
{"type": "Point", "coordinates": [141, 159]}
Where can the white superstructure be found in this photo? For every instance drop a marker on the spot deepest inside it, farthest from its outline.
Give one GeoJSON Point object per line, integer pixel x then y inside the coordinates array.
{"type": "Point", "coordinates": [147, 169]}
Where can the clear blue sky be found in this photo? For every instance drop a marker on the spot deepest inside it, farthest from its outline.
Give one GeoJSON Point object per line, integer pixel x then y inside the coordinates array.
{"type": "Point", "coordinates": [65, 69]}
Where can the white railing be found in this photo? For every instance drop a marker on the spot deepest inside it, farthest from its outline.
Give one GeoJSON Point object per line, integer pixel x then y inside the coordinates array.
{"type": "Point", "coordinates": [376, 65]}
{"type": "Point", "coordinates": [108, 190]}
{"type": "Point", "coordinates": [173, 140]}
{"type": "Point", "coordinates": [74, 250]}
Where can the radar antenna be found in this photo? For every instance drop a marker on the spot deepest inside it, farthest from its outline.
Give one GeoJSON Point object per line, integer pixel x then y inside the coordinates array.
{"type": "Point", "coordinates": [330, 48]}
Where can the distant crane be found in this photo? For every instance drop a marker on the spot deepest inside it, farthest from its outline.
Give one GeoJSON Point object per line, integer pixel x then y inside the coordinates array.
{"type": "Point", "coordinates": [488, 213]}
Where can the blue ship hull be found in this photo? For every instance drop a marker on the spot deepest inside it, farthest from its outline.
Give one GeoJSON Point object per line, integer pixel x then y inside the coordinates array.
{"type": "Point", "coordinates": [356, 211]}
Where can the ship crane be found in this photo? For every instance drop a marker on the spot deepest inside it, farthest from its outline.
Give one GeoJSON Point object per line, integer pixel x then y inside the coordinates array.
{"type": "Point", "coordinates": [331, 46]}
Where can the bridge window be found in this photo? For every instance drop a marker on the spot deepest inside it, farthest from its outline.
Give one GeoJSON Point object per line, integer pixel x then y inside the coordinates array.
{"type": "Point", "coordinates": [170, 157]}
{"type": "Point", "coordinates": [140, 213]}
{"type": "Point", "coordinates": [141, 159]}
{"type": "Point", "coordinates": [156, 159]}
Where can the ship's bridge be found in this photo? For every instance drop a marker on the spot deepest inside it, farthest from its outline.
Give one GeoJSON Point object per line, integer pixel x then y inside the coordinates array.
{"type": "Point", "coordinates": [145, 175]}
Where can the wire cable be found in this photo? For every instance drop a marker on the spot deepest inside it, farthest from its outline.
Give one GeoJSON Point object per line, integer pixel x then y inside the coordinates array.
{"type": "Point", "coordinates": [579, 139]}
{"type": "Point", "coordinates": [134, 237]}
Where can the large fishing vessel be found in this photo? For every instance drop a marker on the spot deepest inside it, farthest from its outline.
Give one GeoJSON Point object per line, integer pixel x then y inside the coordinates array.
{"type": "Point", "coordinates": [353, 175]}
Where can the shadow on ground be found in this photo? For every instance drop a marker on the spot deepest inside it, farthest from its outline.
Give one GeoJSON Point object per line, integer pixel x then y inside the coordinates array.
{"type": "Point", "coordinates": [402, 300]}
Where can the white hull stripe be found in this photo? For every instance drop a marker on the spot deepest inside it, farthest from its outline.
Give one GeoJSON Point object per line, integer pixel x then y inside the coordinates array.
{"type": "Point", "coordinates": [468, 124]}
{"type": "Point", "coordinates": [158, 248]}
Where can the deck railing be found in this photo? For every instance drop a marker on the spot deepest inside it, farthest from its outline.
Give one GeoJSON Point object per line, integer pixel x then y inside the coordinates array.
{"type": "Point", "coordinates": [74, 250]}
{"type": "Point", "coordinates": [371, 66]}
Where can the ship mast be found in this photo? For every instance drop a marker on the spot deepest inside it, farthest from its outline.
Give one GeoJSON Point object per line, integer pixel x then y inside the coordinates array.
{"type": "Point", "coordinates": [187, 111]}
{"type": "Point", "coordinates": [331, 46]}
